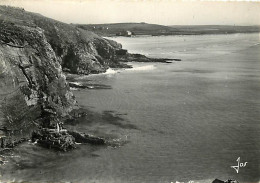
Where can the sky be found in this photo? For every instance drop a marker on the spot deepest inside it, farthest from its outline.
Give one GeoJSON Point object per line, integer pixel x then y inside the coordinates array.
{"type": "Point", "coordinates": [164, 12]}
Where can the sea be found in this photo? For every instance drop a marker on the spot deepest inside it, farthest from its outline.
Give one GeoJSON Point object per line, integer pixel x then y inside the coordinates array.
{"type": "Point", "coordinates": [188, 121]}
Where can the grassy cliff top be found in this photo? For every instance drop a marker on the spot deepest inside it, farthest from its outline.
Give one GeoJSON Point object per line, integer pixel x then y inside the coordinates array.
{"type": "Point", "coordinates": [52, 28]}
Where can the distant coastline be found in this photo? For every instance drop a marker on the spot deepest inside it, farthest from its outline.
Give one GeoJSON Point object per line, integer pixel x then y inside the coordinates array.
{"type": "Point", "coordinates": [145, 29]}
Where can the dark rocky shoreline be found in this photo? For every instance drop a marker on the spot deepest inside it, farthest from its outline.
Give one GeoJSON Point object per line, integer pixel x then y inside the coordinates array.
{"type": "Point", "coordinates": [35, 95]}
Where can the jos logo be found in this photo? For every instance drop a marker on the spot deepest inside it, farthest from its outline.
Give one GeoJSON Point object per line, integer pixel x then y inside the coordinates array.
{"type": "Point", "coordinates": [239, 165]}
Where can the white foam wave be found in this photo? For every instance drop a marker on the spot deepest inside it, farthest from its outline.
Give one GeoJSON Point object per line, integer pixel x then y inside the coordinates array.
{"type": "Point", "coordinates": [142, 68]}
{"type": "Point", "coordinates": [76, 83]}
{"type": "Point", "coordinates": [110, 71]}
{"type": "Point", "coordinates": [73, 89]}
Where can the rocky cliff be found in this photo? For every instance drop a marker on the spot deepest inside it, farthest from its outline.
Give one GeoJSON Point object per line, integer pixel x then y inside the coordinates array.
{"type": "Point", "coordinates": [34, 52]}
{"type": "Point", "coordinates": [34, 94]}
{"type": "Point", "coordinates": [33, 91]}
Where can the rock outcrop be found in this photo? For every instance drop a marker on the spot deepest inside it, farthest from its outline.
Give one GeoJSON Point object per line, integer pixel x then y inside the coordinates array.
{"type": "Point", "coordinates": [226, 181]}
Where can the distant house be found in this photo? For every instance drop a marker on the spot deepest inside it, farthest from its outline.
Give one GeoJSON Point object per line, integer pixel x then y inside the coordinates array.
{"type": "Point", "coordinates": [128, 33]}
{"type": "Point", "coordinates": [125, 33]}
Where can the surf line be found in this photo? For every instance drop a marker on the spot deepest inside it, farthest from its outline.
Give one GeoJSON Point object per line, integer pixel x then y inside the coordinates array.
{"type": "Point", "coordinates": [239, 165]}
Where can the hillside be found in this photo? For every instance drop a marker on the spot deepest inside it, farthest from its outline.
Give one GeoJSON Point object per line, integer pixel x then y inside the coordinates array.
{"type": "Point", "coordinates": [77, 50]}
{"type": "Point", "coordinates": [120, 29]}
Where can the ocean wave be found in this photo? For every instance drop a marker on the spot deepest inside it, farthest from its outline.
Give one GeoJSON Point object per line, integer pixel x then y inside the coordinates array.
{"type": "Point", "coordinates": [76, 83]}
{"type": "Point", "coordinates": [73, 89]}
{"type": "Point", "coordinates": [110, 71]}
{"type": "Point", "coordinates": [142, 68]}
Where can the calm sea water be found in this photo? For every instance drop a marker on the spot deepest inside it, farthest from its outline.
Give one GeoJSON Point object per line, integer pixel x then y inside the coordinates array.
{"type": "Point", "coordinates": [188, 120]}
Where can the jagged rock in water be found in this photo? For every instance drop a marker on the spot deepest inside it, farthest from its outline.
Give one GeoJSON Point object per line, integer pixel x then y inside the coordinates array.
{"type": "Point", "coordinates": [62, 139]}
{"type": "Point", "coordinates": [129, 57]}
{"type": "Point", "coordinates": [6, 142]}
{"type": "Point", "coordinates": [86, 138]}
{"type": "Point", "coordinates": [231, 181]}
{"type": "Point", "coordinates": [218, 181]}
{"type": "Point", "coordinates": [227, 181]}
{"type": "Point", "coordinates": [53, 139]}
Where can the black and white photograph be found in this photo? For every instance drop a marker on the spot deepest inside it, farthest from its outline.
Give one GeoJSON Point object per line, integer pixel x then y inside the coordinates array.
{"type": "Point", "coordinates": [129, 91]}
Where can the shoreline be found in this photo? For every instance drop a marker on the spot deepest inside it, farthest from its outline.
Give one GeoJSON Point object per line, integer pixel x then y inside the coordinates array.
{"type": "Point", "coordinates": [179, 35]}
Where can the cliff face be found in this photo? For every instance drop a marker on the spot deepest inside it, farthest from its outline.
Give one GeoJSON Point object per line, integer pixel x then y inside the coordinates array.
{"type": "Point", "coordinates": [33, 52]}
{"type": "Point", "coordinates": [78, 51]}
{"type": "Point", "coordinates": [32, 85]}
